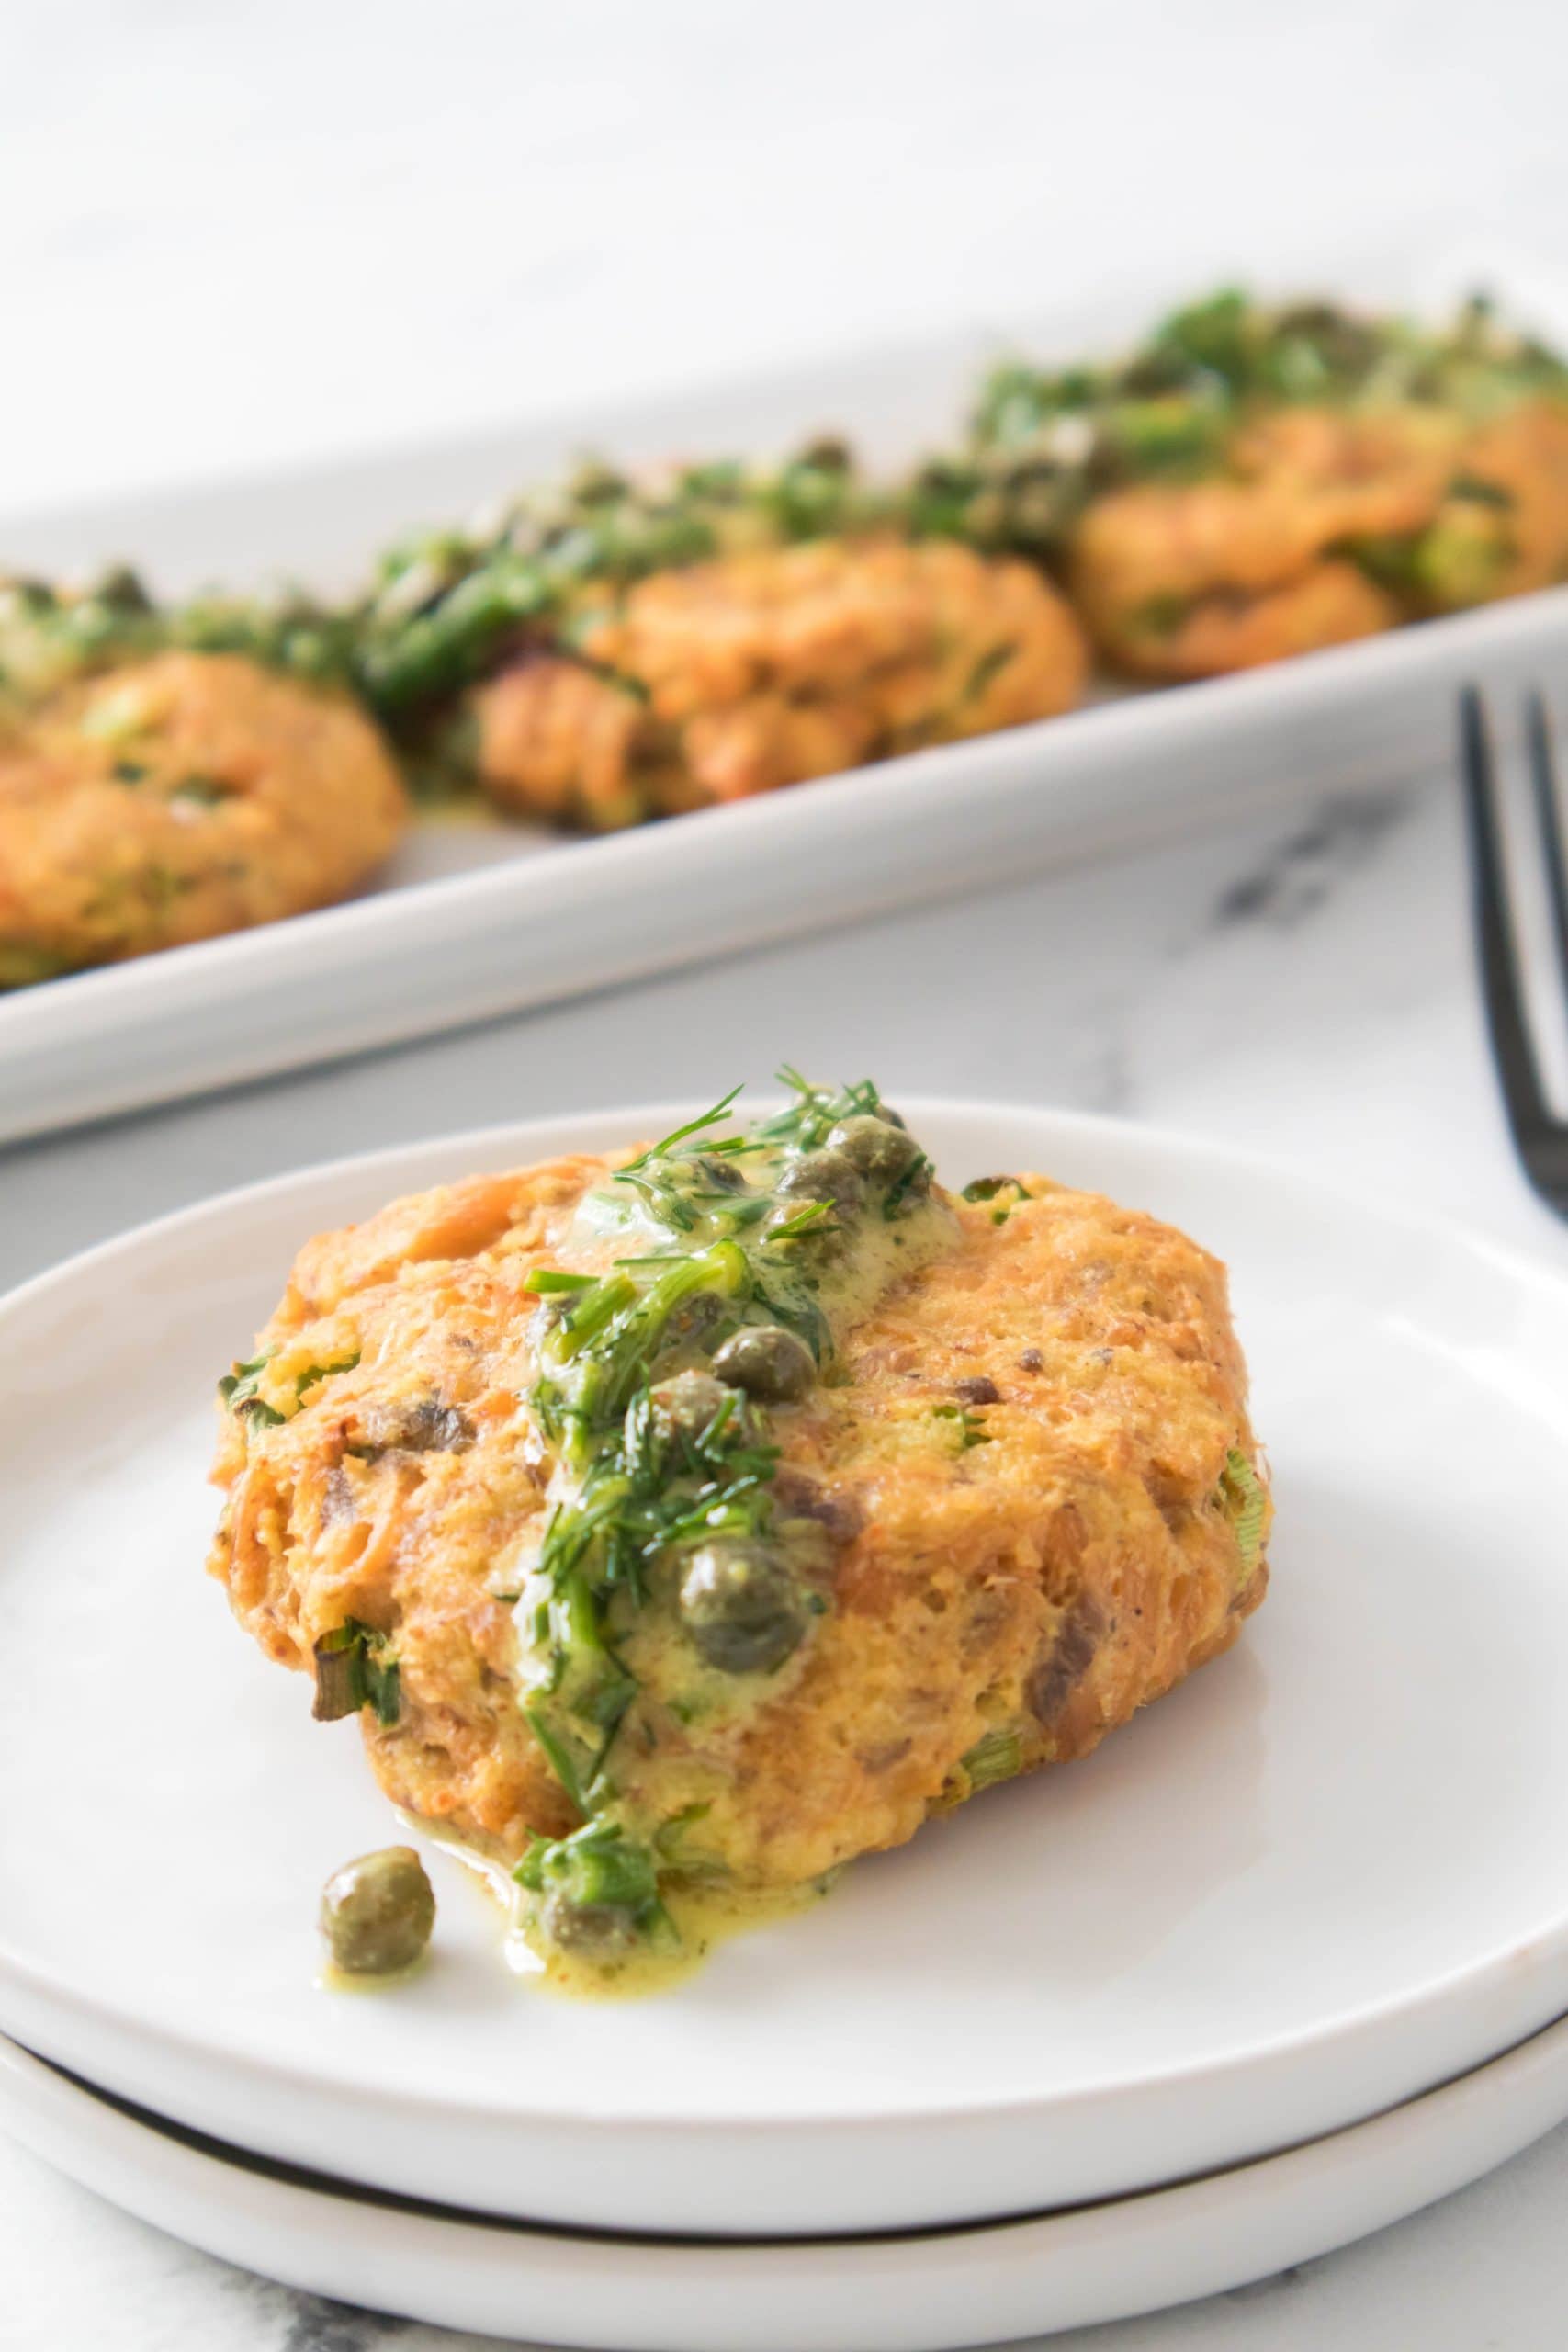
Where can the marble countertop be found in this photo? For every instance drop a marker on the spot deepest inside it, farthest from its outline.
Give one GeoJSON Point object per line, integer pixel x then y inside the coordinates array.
{"type": "Point", "coordinates": [300, 230]}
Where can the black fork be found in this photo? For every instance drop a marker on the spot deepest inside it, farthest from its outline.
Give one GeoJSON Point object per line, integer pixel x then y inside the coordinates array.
{"type": "Point", "coordinates": [1540, 1137]}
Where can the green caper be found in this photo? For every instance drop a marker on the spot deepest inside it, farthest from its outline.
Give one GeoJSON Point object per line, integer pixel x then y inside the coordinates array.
{"type": "Point", "coordinates": [695, 1318]}
{"type": "Point", "coordinates": [596, 1930]}
{"type": "Point", "coordinates": [768, 1362]}
{"type": "Point", "coordinates": [880, 1151]}
{"type": "Point", "coordinates": [377, 1912]}
{"type": "Point", "coordinates": [684, 1405]}
{"type": "Point", "coordinates": [719, 1175]}
{"type": "Point", "coordinates": [823, 1175]}
{"type": "Point", "coordinates": [741, 1606]}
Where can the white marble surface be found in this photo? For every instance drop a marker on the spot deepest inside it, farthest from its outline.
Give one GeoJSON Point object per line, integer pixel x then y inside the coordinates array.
{"type": "Point", "coordinates": [235, 236]}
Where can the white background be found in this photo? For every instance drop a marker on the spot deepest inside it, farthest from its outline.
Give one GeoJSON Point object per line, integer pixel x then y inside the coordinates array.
{"type": "Point", "coordinates": [234, 235]}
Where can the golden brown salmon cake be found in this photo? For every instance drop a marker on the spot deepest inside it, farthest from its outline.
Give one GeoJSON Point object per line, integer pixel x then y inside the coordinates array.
{"type": "Point", "coordinates": [1186, 581]}
{"type": "Point", "coordinates": [748, 1505]}
{"type": "Point", "coordinates": [1327, 603]}
{"type": "Point", "coordinates": [764, 668]}
{"type": "Point", "coordinates": [177, 798]}
{"type": "Point", "coordinates": [1502, 528]}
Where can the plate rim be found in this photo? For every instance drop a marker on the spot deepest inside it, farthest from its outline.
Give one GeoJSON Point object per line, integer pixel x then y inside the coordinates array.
{"type": "Point", "coordinates": [1398, 2165]}
{"type": "Point", "coordinates": [341, 2188]}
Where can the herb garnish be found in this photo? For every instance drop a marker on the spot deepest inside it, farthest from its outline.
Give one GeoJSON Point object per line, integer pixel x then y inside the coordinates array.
{"type": "Point", "coordinates": [597, 1870]}
{"type": "Point", "coordinates": [970, 1431]}
{"type": "Point", "coordinates": [1244, 1498]}
{"type": "Point", "coordinates": [998, 1756]}
{"type": "Point", "coordinates": [449, 606]}
{"type": "Point", "coordinates": [354, 1669]}
{"type": "Point", "coordinates": [993, 1189]}
{"type": "Point", "coordinates": [237, 1389]}
{"type": "Point", "coordinates": [663, 1468]}
{"type": "Point", "coordinates": [314, 1372]}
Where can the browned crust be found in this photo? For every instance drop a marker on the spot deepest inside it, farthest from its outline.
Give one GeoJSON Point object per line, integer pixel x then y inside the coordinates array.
{"type": "Point", "coordinates": [180, 797]}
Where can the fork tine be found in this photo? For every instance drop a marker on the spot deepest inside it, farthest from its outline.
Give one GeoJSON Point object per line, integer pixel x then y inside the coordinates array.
{"type": "Point", "coordinates": [1549, 821]}
{"type": "Point", "coordinates": [1502, 986]}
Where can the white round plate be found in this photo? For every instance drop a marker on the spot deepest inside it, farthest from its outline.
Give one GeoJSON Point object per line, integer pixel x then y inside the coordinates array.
{"type": "Point", "coordinates": [923, 2293]}
{"type": "Point", "coordinates": [1323, 1876]}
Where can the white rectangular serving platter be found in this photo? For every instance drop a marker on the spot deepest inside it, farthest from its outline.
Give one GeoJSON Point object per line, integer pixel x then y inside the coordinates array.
{"type": "Point", "coordinates": [477, 917]}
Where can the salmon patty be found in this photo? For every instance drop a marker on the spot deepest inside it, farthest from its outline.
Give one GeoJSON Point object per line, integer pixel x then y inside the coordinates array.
{"type": "Point", "coordinates": [1253, 482]}
{"type": "Point", "coordinates": [709, 684]}
{"type": "Point", "coordinates": [732, 1509]}
{"type": "Point", "coordinates": [173, 798]}
{"type": "Point", "coordinates": [1191, 580]}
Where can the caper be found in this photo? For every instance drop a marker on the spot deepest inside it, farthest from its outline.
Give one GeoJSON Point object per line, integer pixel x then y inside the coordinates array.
{"type": "Point", "coordinates": [377, 1912]}
{"type": "Point", "coordinates": [721, 1175]}
{"type": "Point", "coordinates": [684, 1405]}
{"type": "Point", "coordinates": [880, 1151]}
{"type": "Point", "coordinates": [768, 1362]}
{"type": "Point", "coordinates": [741, 1606]}
{"type": "Point", "coordinates": [695, 1317]}
{"type": "Point", "coordinates": [597, 1929]}
{"type": "Point", "coordinates": [823, 1175]}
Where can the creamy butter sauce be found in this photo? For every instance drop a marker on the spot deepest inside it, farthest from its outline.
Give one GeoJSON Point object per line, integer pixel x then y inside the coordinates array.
{"type": "Point", "coordinates": [329, 1978]}
{"type": "Point", "coordinates": [702, 1917]}
{"type": "Point", "coordinates": [670, 1594]}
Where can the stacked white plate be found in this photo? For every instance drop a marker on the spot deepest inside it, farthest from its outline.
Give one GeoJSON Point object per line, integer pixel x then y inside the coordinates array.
{"type": "Point", "coordinates": [1109, 2038]}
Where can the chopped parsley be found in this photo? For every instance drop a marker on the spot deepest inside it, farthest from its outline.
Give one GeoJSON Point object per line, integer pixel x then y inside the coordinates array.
{"type": "Point", "coordinates": [996, 1189]}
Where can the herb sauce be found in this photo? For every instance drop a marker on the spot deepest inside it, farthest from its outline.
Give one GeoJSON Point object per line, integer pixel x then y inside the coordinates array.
{"type": "Point", "coordinates": [668, 1580]}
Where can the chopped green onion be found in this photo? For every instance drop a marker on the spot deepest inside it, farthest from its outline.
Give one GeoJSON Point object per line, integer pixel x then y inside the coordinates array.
{"type": "Point", "coordinates": [1244, 1498]}
{"type": "Point", "coordinates": [315, 1372]}
{"type": "Point", "coordinates": [998, 1757]}
{"type": "Point", "coordinates": [354, 1671]}
{"type": "Point", "coordinates": [598, 1867]}
{"type": "Point", "coordinates": [561, 1763]}
{"type": "Point", "coordinates": [237, 1390]}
